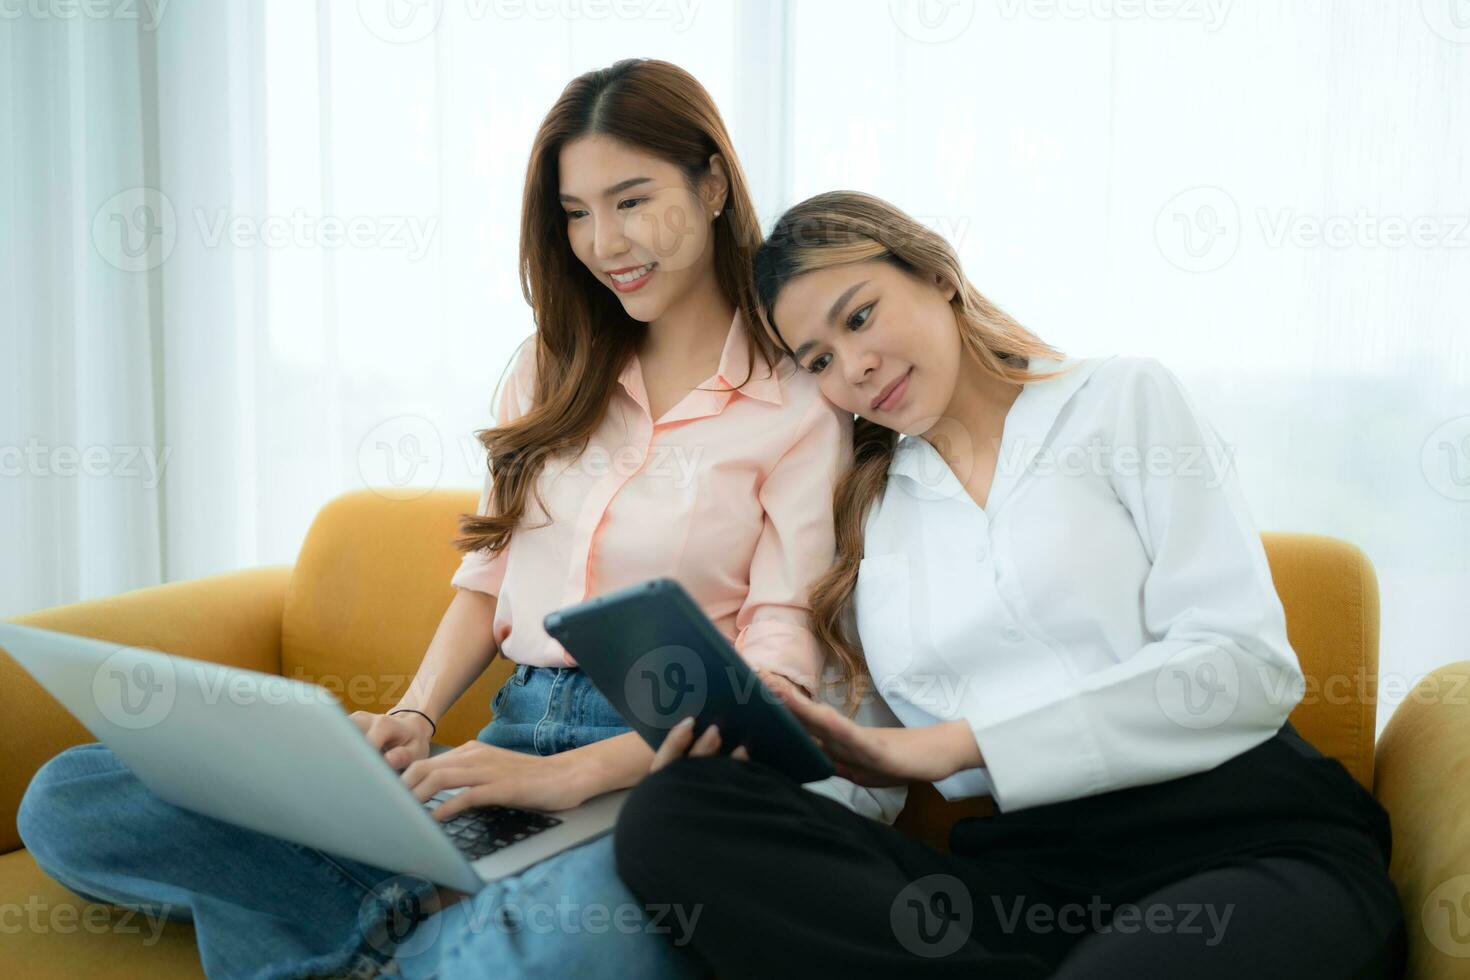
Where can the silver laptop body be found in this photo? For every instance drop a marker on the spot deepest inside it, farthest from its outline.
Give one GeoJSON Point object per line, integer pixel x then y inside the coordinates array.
{"type": "Point", "coordinates": [281, 757]}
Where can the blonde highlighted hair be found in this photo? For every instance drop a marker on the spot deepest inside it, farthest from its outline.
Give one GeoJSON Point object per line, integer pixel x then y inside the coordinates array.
{"type": "Point", "coordinates": [840, 228]}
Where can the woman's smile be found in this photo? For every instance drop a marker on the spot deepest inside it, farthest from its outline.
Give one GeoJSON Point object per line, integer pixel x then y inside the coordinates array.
{"type": "Point", "coordinates": [629, 278]}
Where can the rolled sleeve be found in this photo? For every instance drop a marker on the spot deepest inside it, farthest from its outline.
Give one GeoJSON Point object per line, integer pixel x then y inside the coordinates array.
{"type": "Point", "coordinates": [479, 570]}
{"type": "Point", "coordinates": [965, 784]}
{"type": "Point", "coordinates": [1220, 678]}
{"type": "Point", "coordinates": [796, 547]}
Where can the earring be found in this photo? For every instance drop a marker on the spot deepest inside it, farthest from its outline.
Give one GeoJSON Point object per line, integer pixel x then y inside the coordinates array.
{"type": "Point", "coordinates": [717, 212]}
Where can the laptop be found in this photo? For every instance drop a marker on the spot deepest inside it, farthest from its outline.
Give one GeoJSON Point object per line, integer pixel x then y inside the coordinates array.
{"type": "Point", "coordinates": [281, 756]}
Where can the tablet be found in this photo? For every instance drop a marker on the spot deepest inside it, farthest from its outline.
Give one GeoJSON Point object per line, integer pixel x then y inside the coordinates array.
{"type": "Point", "coordinates": [656, 656]}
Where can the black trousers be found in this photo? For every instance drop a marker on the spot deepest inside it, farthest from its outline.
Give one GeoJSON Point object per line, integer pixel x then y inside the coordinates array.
{"type": "Point", "coordinates": [1272, 864]}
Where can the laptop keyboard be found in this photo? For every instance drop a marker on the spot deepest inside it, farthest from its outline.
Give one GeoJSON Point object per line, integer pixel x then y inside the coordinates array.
{"type": "Point", "coordinates": [481, 830]}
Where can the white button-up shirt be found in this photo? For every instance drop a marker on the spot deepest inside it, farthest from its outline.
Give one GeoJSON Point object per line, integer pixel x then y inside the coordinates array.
{"type": "Point", "coordinates": [1107, 620]}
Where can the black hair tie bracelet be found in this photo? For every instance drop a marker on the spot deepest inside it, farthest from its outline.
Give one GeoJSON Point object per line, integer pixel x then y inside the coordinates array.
{"type": "Point", "coordinates": [433, 728]}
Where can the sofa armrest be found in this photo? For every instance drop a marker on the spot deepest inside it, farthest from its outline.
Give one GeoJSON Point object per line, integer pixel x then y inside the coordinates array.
{"type": "Point", "coordinates": [232, 619]}
{"type": "Point", "coordinates": [1423, 759]}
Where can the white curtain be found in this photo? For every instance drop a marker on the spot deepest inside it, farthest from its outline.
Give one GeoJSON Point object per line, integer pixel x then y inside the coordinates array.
{"type": "Point", "coordinates": [270, 247]}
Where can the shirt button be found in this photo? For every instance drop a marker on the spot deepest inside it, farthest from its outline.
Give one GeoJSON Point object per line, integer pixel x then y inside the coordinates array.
{"type": "Point", "coordinates": [1011, 633]}
{"type": "Point", "coordinates": [981, 551]}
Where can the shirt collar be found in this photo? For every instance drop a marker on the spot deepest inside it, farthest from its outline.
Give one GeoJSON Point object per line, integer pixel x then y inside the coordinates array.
{"type": "Point", "coordinates": [1027, 425]}
{"type": "Point", "coordinates": [764, 384]}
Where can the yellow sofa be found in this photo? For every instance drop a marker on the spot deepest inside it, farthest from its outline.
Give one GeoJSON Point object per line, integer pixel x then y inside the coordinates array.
{"type": "Point", "coordinates": [358, 608]}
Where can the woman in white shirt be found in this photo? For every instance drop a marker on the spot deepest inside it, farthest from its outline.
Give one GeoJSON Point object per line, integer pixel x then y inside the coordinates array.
{"type": "Point", "coordinates": [1059, 590]}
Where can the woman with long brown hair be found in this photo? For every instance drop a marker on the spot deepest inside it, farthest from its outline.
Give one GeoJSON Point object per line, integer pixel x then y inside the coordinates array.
{"type": "Point", "coordinates": [1047, 569]}
{"type": "Point", "coordinates": [649, 428]}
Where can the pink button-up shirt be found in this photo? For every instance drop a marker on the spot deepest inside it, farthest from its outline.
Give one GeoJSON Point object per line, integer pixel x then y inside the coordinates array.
{"type": "Point", "coordinates": [729, 493]}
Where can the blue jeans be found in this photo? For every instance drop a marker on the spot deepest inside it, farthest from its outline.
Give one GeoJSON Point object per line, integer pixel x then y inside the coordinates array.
{"type": "Point", "coordinates": [264, 907]}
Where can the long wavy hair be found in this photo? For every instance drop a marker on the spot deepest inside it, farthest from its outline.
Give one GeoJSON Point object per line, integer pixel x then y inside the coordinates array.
{"type": "Point", "coordinates": [841, 227]}
{"type": "Point", "coordinates": [583, 337]}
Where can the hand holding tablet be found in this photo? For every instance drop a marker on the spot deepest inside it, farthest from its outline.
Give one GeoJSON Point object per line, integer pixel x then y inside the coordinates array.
{"type": "Point", "coordinates": [657, 658]}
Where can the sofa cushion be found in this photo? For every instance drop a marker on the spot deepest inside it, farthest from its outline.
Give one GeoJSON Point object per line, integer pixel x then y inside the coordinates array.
{"type": "Point", "coordinates": [369, 588]}
{"type": "Point", "coordinates": [51, 932]}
